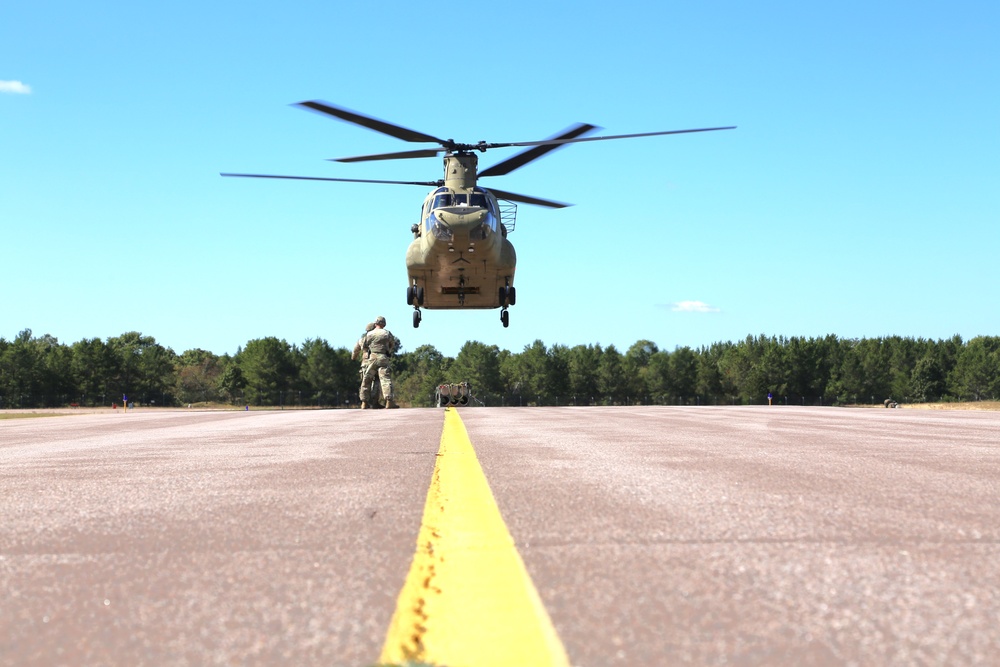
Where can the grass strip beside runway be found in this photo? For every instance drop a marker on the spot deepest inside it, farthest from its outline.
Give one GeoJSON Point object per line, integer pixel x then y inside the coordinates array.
{"type": "Point", "coordinates": [468, 599]}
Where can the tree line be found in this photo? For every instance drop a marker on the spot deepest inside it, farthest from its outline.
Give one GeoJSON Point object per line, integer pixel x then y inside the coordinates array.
{"type": "Point", "coordinates": [42, 372]}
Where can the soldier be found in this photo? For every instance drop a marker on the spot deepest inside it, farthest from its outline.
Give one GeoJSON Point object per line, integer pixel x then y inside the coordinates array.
{"type": "Point", "coordinates": [360, 353]}
{"type": "Point", "coordinates": [380, 346]}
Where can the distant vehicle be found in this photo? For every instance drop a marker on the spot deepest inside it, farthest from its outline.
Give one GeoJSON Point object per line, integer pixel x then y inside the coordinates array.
{"type": "Point", "coordinates": [453, 394]}
{"type": "Point", "coordinates": [460, 257]}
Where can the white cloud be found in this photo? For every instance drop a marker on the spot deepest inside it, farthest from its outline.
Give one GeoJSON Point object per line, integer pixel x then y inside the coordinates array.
{"type": "Point", "coordinates": [15, 87]}
{"type": "Point", "coordinates": [693, 307]}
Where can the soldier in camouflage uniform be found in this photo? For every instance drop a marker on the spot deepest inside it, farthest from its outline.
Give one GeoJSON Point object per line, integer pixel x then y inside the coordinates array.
{"type": "Point", "coordinates": [380, 346]}
{"type": "Point", "coordinates": [359, 353]}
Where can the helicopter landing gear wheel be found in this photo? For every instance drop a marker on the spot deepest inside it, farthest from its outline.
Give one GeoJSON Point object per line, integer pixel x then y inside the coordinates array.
{"type": "Point", "coordinates": [416, 319]}
{"type": "Point", "coordinates": [414, 294]}
{"type": "Point", "coordinates": [505, 318]}
{"type": "Point", "coordinates": [508, 295]}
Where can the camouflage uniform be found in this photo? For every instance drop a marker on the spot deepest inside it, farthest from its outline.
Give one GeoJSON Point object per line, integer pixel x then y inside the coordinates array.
{"type": "Point", "coordinates": [380, 345]}
{"type": "Point", "coordinates": [360, 353]}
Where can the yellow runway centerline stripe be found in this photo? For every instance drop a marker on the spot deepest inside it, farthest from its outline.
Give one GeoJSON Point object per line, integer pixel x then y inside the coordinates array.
{"type": "Point", "coordinates": [468, 601]}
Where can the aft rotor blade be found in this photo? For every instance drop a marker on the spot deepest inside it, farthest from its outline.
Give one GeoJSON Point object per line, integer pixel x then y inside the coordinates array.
{"type": "Point", "coordinates": [617, 136]}
{"type": "Point", "coordinates": [524, 199]}
{"type": "Point", "coordinates": [523, 158]}
{"type": "Point", "coordinates": [426, 152]}
{"type": "Point", "coordinates": [369, 122]}
{"type": "Point", "coordinates": [340, 180]}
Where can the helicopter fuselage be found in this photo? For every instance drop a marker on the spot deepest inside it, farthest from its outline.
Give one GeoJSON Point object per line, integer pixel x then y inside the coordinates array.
{"type": "Point", "coordinates": [460, 255]}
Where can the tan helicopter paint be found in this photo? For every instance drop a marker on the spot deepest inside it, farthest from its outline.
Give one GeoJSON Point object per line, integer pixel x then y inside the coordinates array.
{"type": "Point", "coordinates": [460, 272]}
{"type": "Point", "coordinates": [460, 170]}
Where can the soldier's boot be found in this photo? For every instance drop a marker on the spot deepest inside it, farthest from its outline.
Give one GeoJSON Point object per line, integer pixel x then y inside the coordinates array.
{"type": "Point", "coordinates": [390, 404]}
{"type": "Point", "coordinates": [364, 405]}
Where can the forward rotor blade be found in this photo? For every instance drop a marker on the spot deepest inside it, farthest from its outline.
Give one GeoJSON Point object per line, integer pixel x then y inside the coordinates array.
{"type": "Point", "coordinates": [426, 152]}
{"type": "Point", "coordinates": [524, 199]}
{"type": "Point", "coordinates": [340, 180]}
{"type": "Point", "coordinates": [369, 122]}
{"type": "Point", "coordinates": [523, 158]}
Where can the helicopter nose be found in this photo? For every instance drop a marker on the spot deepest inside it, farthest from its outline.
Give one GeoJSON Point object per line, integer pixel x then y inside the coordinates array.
{"type": "Point", "coordinates": [459, 219]}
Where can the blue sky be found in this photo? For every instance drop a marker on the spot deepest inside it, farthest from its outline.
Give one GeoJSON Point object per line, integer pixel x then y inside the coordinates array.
{"type": "Point", "coordinates": [859, 195]}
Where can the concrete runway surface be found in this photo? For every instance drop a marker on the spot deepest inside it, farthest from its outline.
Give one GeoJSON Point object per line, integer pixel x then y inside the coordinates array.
{"type": "Point", "coordinates": [654, 535]}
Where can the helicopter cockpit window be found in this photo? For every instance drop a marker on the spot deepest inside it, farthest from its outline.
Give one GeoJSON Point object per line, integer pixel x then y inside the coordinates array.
{"type": "Point", "coordinates": [479, 198]}
{"type": "Point", "coordinates": [444, 199]}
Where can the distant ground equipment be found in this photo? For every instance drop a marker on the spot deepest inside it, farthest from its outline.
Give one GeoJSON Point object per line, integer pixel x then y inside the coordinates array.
{"type": "Point", "coordinates": [453, 394]}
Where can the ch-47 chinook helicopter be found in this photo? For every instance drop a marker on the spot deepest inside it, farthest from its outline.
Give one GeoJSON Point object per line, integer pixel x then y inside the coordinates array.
{"type": "Point", "coordinates": [460, 256]}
